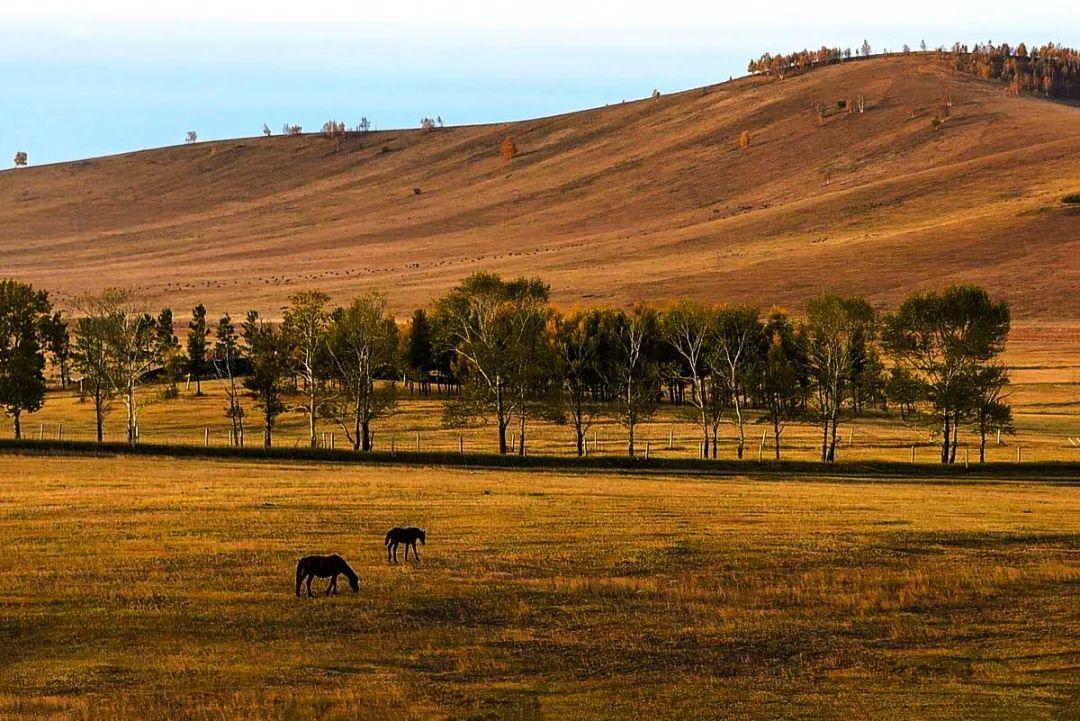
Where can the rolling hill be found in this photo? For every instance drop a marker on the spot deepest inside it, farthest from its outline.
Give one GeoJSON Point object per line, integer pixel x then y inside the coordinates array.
{"type": "Point", "coordinates": [638, 201]}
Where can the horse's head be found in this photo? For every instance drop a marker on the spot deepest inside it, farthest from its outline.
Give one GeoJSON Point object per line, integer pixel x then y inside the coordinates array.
{"type": "Point", "coordinates": [354, 584]}
{"type": "Point", "coordinates": [423, 538]}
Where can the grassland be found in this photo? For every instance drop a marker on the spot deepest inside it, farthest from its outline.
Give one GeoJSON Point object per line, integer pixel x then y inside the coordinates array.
{"type": "Point", "coordinates": [645, 200]}
{"type": "Point", "coordinates": [161, 589]}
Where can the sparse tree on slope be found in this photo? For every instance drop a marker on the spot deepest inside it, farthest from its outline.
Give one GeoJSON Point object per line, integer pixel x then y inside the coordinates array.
{"type": "Point", "coordinates": [305, 327]}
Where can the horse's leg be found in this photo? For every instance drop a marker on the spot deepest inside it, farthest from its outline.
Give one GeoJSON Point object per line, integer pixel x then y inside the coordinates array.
{"type": "Point", "coordinates": [331, 587]}
{"type": "Point", "coordinates": [415, 555]}
{"type": "Point", "coordinates": [299, 580]}
{"type": "Point", "coordinates": [310, 578]}
{"type": "Point", "coordinates": [388, 551]}
{"type": "Point", "coordinates": [394, 546]}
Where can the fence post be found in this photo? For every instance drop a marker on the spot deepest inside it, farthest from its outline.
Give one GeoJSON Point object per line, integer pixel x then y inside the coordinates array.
{"type": "Point", "coordinates": [41, 432]}
{"type": "Point", "coordinates": [646, 450]}
{"type": "Point", "coordinates": [331, 441]}
{"type": "Point", "coordinates": [206, 437]}
{"type": "Point", "coordinates": [461, 444]}
{"type": "Point", "coordinates": [60, 431]}
{"type": "Point", "coordinates": [966, 458]}
{"type": "Point", "coordinates": [1018, 454]}
{"type": "Point", "coordinates": [670, 439]}
{"type": "Point", "coordinates": [913, 454]}
{"type": "Point", "coordinates": [418, 441]}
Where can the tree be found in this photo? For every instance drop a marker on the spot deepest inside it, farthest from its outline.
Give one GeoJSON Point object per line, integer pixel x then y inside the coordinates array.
{"type": "Point", "coordinates": [167, 350]}
{"type": "Point", "coordinates": [945, 339]}
{"type": "Point", "coordinates": [922, 45]}
{"type": "Point", "coordinates": [636, 373]}
{"type": "Point", "coordinates": [783, 374]}
{"type": "Point", "coordinates": [835, 329]}
{"type": "Point", "coordinates": [21, 159]}
{"type": "Point", "coordinates": [364, 125]}
{"type": "Point", "coordinates": [733, 350]}
{"type": "Point", "coordinates": [24, 317]}
{"type": "Point", "coordinates": [266, 130]}
{"type": "Point", "coordinates": [191, 137]}
{"type": "Point", "coordinates": [990, 410]}
{"type": "Point", "coordinates": [226, 353]}
{"type": "Point", "coordinates": [58, 343]}
{"type": "Point", "coordinates": [688, 327]}
{"type": "Point", "coordinates": [197, 345]}
{"type": "Point", "coordinates": [865, 50]}
{"type": "Point", "coordinates": [362, 343]}
{"type": "Point", "coordinates": [508, 148]}
{"type": "Point", "coordinates": [305, 327]}
{"type": "Point", "coordinates": [582, 348]}
{"type": "Point", "coordinates": [420, 351]}
{"type": "Point", "coordinates": [487, 322]}
{"type": "Point", "coordinates": [116, 338]}
{"type": "Point", "coordinates": [270, 365]}
{"type": "Point", "coordinates": [903, 390]}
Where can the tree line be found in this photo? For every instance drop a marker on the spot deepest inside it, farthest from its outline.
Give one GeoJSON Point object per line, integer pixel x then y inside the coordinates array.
{"type": "Point", "coordinates": [1051, 70]}
{"type": "Point", "coordinates": [504, 355]}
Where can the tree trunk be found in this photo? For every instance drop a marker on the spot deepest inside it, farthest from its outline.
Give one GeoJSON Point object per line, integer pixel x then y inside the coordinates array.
{"type": "Point", "coordinates": [521, 432]}
{"type": "Point", "coordinates": [268, 431]}
{"type": "Point", "coordinates": [739, 422]}
{"type": "Point", "coordinates": [500, 415]}
{"type": "Point", "coordinates": [365, 434]}
{"type": "Point", "coordinates": [18, 425]}
{"type": "Point", "coordinates": [776, 434]}
{"type": "Point", "coordinates": [99, 414]}
{"type": "Point", "coordinates": [311, 411]}
{"type": "Point", "coordinates": [825, 440]}
{"type": "Point", "coordinates": [945, 440]}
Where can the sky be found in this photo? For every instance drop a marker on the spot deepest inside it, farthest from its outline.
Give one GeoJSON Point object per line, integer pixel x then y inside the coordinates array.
{"type": "Point", "coordinates": [82, 79]}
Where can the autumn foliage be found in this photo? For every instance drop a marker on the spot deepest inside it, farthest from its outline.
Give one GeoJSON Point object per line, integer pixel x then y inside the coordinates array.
{"type": "Point", "coordinates": [508, 148]}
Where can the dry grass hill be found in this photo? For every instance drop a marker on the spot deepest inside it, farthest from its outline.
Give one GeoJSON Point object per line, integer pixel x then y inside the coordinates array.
{"type": "Point", "coordinates": [642, 200]}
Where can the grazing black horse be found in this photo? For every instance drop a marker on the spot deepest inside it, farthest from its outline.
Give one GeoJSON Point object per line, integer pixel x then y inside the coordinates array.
{"type": "Point", "coordinates": [409, 537]}
{"type": "Point", "coordinates": [324, 567]}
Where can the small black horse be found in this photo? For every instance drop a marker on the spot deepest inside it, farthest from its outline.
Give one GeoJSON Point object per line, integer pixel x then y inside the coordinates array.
{"type": "Point", "coordinates": [324, 567]}
{"type": "Point", "coordinates": [408, 536]}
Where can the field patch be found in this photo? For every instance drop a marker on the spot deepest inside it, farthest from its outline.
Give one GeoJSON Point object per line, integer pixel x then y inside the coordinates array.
{"type": "Point", "coordinates": [149, 588]}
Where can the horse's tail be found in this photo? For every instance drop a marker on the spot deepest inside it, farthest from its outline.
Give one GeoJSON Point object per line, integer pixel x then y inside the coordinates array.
{"type": "Point", "coordinates": [299, 575]}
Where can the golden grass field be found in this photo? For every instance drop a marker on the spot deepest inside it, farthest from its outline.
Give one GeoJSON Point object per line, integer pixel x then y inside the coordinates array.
{"type": "Point", "coordinates": [645, 200]}
{"type": "Point", "coordinates": [152, 588]}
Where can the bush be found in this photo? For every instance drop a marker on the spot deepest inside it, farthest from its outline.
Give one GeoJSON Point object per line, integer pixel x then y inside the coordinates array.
{"type": "Point", "coordinates": [20, 159]}
{"type": "Point", "coordinates": [1072, 198]}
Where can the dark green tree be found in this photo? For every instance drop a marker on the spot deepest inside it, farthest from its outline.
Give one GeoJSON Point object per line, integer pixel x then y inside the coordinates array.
{"type": "Point", "coordinates": [58, 342]}
{"type": "Point", "coordinates": [271, 364]}
{"type": "Point", "coordinates": [945, 339]}
{"type": "Point", "coordinates": [197, 346]}
{"type": "Point", "coordinates": [24, 317]}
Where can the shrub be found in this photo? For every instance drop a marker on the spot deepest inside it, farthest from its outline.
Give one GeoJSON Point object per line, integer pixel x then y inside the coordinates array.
{"type": "Point", "coordinates": [291, 129]}
{"type": "Point", "coordinates": [508, 148]}
{"type": "Point", "coordinates": [191, 136]}
{"type": "Point", "coordinates": [1072, 198]}
{"type": "Point", "coordinates": [20, 159]}
{"type": "Point", "coordinates": [744, 139]}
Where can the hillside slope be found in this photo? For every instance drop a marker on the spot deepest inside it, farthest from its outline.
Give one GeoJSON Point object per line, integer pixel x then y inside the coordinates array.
{"type": "Point", "coordinates": [643, 200]}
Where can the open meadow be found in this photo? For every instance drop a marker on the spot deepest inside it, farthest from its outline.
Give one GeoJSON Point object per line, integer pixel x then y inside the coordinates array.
{"type": "Point", "coordinates": [153, 588]}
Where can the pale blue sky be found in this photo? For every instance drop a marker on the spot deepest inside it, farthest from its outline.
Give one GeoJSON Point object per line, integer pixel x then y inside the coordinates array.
{"type": "Point", "coordinates": [78, 82]}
